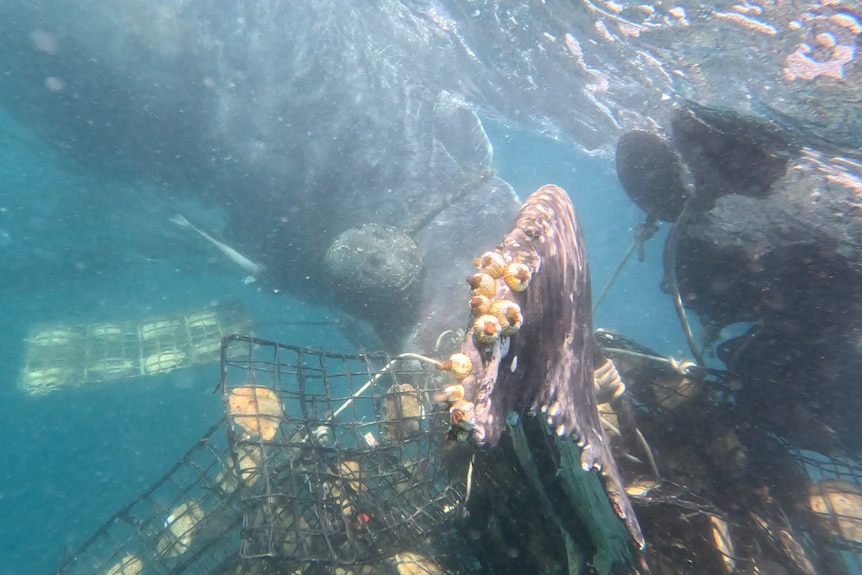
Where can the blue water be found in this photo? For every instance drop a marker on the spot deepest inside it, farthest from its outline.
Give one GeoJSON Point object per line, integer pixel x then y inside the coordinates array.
{"type": "Point", "coordinates": [78, 253]}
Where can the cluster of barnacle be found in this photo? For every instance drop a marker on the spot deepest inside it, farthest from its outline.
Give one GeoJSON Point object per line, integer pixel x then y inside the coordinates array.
{"type": "Point", "coordinates": [494, 317]}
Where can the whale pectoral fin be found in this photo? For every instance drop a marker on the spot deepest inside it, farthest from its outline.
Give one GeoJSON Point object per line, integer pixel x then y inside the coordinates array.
{"type": "Point", "coordinates": [545, 369]}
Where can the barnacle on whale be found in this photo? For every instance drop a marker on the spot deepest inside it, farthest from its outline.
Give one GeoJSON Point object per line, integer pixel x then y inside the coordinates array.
{"type": "Point", "coordinates": [491, 263]}
{"type": "Point", "coordinates": [450, 394]}
{"type": "Point", "coordinates": [517, 276]}
{"type": "Point", "coordinates": [479, 305]}
{"type": "Point", "coordinates": [487, 328]}
{"type": "Point", "coordinates": [508, 313]}
{"type": "Point", "coordinates": [482, 285]}
{"type": "Point", "coordinates": [459, 364]}
{"type": "Point", "coordinates": [463, 414]}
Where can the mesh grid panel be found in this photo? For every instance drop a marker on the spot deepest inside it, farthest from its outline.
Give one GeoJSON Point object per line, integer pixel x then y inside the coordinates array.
{"type": "Point", "coordinates": [835, 501]}
{"type": "Point", "coordinates": [184, 524]}
{"type": "Point", "coordinates": [340, 457]}
{"type": "Point", "coordinates": [61, 356]}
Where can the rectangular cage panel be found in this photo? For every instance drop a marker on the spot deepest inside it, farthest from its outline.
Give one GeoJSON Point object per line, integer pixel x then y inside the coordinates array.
{"type": "Point", "coordinates": [61, 356]}
{"type": "Point", "coordinates": [185, 524]}
{"type": "Point", "coordinates": [340, 457]}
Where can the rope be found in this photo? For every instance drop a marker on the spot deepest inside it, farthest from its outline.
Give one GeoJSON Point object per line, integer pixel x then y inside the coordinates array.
{"type": "Point", "coordinates": [643, 232]}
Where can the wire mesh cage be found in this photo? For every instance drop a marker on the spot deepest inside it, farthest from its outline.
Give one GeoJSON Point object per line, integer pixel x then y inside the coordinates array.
{"type": "Point", "coordinates": [835, 501]}
{"type": "Point", "coordinates": [340, 457]}
{"type": "Point", "coordinates": [64, 356]}
{"type": "Point", "coordinates": [184, 524]}
{"type": "Point", "coordinates": [330, 463]}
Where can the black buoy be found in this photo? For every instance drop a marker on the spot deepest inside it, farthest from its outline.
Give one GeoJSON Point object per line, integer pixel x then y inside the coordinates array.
{"type": "Point", "coordinates": [651, 174]}
{"type": "Point", "coordinates": [728, 153]}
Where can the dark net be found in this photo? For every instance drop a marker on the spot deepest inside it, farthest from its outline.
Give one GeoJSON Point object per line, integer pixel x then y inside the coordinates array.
{"type": "Point", "coordinates": [734, 495]}
{"type": "Point", "coordinates": [340, 457]}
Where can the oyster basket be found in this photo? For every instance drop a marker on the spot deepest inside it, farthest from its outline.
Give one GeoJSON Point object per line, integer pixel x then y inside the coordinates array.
{"type": "Point", "coordinates": [61, 356]}
{"type": "Point", "coordinates": [340, 457]}
{"type": "Point", "coordinates": [185, 523]}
